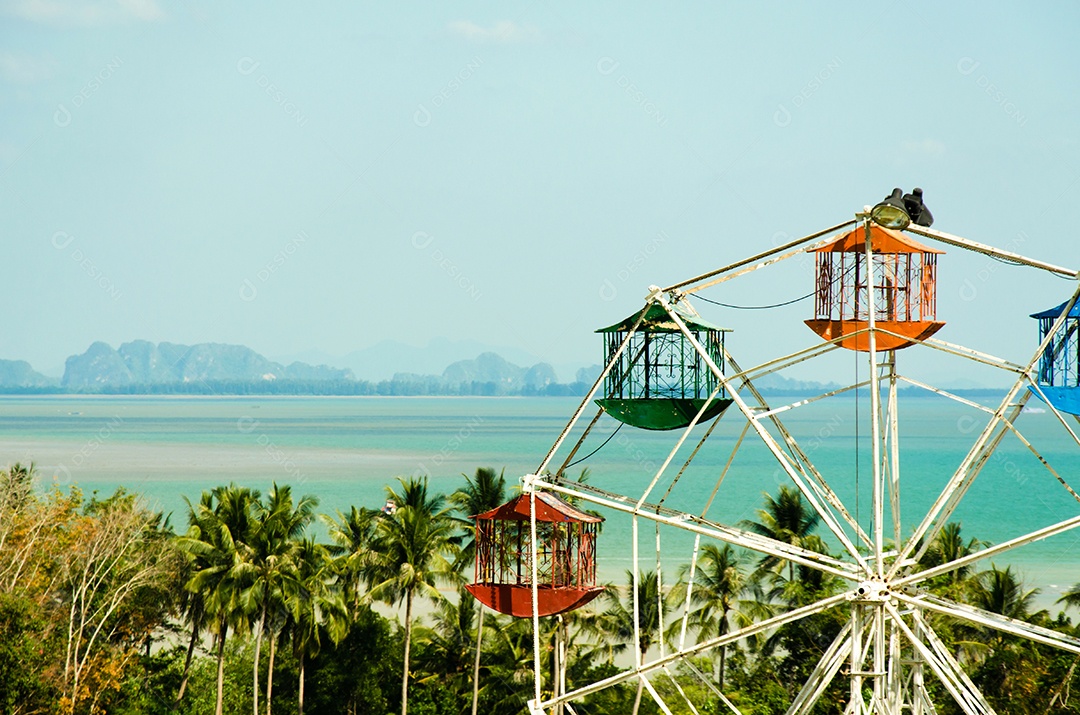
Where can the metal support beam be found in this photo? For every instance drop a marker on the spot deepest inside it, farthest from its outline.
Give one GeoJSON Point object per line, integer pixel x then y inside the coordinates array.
{"type": "Point", "coordinates": [728, 534]}
{"type": "Point", "coordinates": [756, 257]}
{"type": "Point", "coordinates": [737, 635]}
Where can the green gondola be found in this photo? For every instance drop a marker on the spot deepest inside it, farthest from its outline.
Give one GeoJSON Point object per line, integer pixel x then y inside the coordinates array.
{"type": "Point", "coordinates": [660, 382]}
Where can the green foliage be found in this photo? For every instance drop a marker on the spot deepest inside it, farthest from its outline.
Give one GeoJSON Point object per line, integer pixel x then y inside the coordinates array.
{"type": "Point", "coordinates": [361, 673]}
{"type": "Point", "coordinates": [151, 686]}
{"type": "Point", "coordinates": [202, 689]}
{"type": "Point", "coordinates": [26, 653]}
{"type": "Point", "coordinates": [246, 559]}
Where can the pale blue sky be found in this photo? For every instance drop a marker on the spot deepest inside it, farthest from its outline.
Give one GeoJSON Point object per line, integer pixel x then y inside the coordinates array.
{"type": "Point", "coordinates": [326, 176]}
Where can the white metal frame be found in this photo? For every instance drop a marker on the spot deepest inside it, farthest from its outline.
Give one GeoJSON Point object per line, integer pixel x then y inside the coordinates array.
{"type": "Point", "coordinates": [888, 639]}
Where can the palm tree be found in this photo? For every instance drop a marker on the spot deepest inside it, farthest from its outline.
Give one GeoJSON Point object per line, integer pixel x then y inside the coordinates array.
{"type": "Point", "coordinates": [717, 589]}
{"type": "Point", "coordinates": [785, 518]}
{"type": "Point", "coordinates": [314, 608]}
{"type": "Point", "coordinates": [1071, 597]}
{"type": "Point", "coordinates": [351, 536]}
{"type": "Point", "coordinates": [510, 666]}
{"type": "Point", "coordinates": [192, 604]}
{"type": "Point", "coordinates": [618, 619]}
{"type": "Point", "coordinates": [480, 494]}
{"type": "Point", "coordinates": [218, 539]}
{"type": "Point", "coordinates": [409, 555]}
{"type": "Point", "coordinates": [446, 655]}
{"type": "Point", "coordinates": [271, 570]}
{"type": "Point", "coordinates": [1003, 592]}
{"type": "Point", "coordinates": [1010, 669]}
{"type": "Point", "coordinates": [949, 546]}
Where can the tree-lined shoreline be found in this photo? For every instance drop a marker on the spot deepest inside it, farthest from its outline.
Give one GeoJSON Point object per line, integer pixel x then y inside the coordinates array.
{"type": "Point", "coordinates": [107, 607]}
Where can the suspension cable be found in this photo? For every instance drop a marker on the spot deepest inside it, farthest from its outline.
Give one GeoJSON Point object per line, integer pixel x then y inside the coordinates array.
{"type": "Point", "coordinates": [751, 307]}
{"type": "Point", "coordinates": [597, 449]}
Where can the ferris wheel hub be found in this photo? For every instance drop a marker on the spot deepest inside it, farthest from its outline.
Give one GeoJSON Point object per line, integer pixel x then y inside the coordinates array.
{"type": "Point", "coordinates": [873, 590]}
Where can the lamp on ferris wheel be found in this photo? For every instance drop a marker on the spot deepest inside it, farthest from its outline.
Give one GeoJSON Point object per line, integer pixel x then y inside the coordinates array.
{"type": "Point", "coordinates": [1059, 377]}
{"type": "Point", "coordinates": [898, 210]}
{"type": "Point", "coordinates": [660, 381]}
{"type": "Point", "coordinates": [902, 271]}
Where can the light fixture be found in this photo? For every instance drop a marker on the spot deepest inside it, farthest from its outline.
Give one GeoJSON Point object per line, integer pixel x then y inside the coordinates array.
{"type": "Point", "coordinates": [916, 209]}
{"type": "Point", "coordinates": [892, 212]}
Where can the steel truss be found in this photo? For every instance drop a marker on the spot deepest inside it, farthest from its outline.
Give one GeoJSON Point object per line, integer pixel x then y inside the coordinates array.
{"type": "Point", "coordinates": [888, 648]}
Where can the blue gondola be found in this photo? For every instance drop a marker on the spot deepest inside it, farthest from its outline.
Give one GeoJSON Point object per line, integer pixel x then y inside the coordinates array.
{"type": "Point", "coordinates": [1059, 376]}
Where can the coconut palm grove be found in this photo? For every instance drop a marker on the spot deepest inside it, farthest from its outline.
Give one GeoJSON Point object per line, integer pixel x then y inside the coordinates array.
{"type": "Point", "coordinates": [258, 602]}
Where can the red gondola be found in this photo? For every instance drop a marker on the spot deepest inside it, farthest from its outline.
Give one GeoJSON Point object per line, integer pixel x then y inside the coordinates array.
{"type": "Point", "coordinates": [566, 563]}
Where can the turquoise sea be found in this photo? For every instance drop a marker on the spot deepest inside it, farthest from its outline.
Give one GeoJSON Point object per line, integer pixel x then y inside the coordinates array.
{"type": "Point", "coordinates": [345, 450]}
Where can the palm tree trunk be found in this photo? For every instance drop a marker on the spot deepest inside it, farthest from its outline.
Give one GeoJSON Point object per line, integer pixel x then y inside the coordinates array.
{"type": "Point", "coordinates": [476, 664]}
{"type": "Point", "coordinates": [187, 664]}
{"type": "Point", "coordinates": [408, 639]}
{"type": "Point", "coordinates": [300, 690]}
{"type": "Point", "coordinates": [723, 660]}
{"type": "Point", "coordinates": [255, 666]}
{"type": "Point", "coordinates": [270, 672]}
{"type": "Point", "coordinates": [221, 667]}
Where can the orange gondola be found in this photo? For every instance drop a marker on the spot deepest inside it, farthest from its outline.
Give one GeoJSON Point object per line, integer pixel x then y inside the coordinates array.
{"type": "Point", "coordinates": [904, 301]}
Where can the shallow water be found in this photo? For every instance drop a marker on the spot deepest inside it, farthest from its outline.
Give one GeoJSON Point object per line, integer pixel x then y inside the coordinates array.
{"type": "Point", "coordinates": [346, 450]}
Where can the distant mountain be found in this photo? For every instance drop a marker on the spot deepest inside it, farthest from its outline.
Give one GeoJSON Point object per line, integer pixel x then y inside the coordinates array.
{"type": "Point", "coordinates": [589, 374]}
{"type": "Point", "coordinates": [778, 383]}
{"type": "Point", "coordinates": [494, 369]}
{"type": "Point", "coordinates": [18, 373]}
{"type": "Point", "coordinates": [142, 367]}
{"type": "Point", "coordinates": [383, 360]}
{"type": "Point", "coordinates": [144, 363]}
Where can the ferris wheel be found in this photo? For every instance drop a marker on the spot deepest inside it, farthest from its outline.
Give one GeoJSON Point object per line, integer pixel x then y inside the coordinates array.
{"type": "Point", "coordinates": [668, 369]}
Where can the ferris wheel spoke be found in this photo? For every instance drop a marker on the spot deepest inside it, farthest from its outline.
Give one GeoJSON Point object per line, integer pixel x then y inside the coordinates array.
{"type": "Point", "coordinates": [655, 695]}
{"type": "Point", "coordinates": [969, 700]}
{"type": "Point", "coordinates": [958, 484]}
{"type": "Point", "coordinates": [678, 445]}
{"type": "Point", "coordinates": [945, 394]}
{"type": "Point", "coordinates": [1042, 460]}
{"type": "Point", "coordinates": [689, 664]}
{"type": "Point", "coordinates": [970, 245]}
{"type": "Point", "coordinates": [764, 254]}
{"type": "Point", "coordinates": [920, 576]}
{"type": "Point", "coordinates": [680, 690]}
{"type": "Point", "coordinates": [823, 673]}
{"type": "Point", "coordinates": [1060, 418]}
{"type": "Point", "coordinates": [727, 534]}
{"type": "Point", "coordinates": [690, 458]}
{"type": "Point", "coordinates": [938, 646]}
{"type": "Point", "coordinates": [816, 480]}
{"type": "Point", "coordinates": [781, 363]}
{"type": "Point", "coordinates": [808, 400]}
{"type": "Point", "coordinates": [581, 440]}
{"type": "Point", "coordinates": [685, 653]}
{"type": "Point", "coordinates": [988, 619]}
{"type": "Point", "coordinates": [724, 471]}
{"type": "Point", "coordinates": [892, 439]}
{"type": "Point", "coordinates": [970, 354]}
{"type": "Point", "coordinates": [983, 447]}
